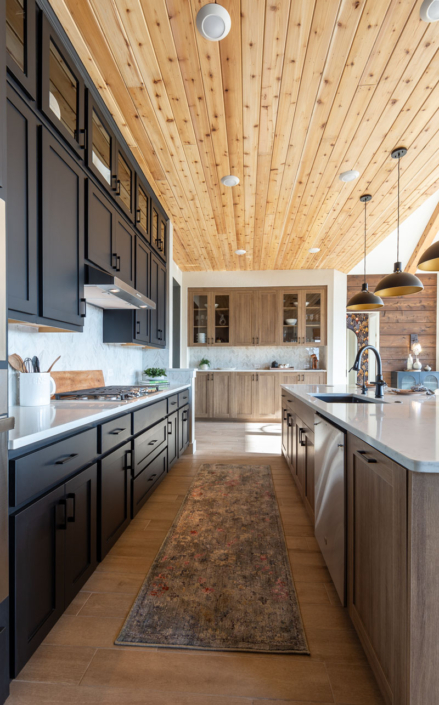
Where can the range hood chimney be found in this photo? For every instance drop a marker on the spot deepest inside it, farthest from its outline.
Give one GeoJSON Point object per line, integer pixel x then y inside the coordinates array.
{"type": "Point", "coordinates": [107, 291]}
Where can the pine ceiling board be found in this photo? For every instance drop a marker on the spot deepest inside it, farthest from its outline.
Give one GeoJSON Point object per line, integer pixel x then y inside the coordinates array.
{"type": "Point", "coordinates": [323, 27]}
{"type": "Point", "coordinates": [252, 33]}
{"type": "Point", "coordinates": [231, 68]}
{"type": "Point", "coordinates": [349, 105]}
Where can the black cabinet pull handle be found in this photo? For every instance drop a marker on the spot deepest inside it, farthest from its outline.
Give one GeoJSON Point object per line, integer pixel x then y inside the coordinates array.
{"type": "Point", "coordinates": [117, 431]}
{"type": "Point", "coordinates": [114, 260]}
{"type": "Point", "coordinates": [82, 133]}
{"type": "Point", "coordinates": [138, 327]}
{"type": "Point", "coordinates": [151, 443]}
{"type": "Point", "coordinates": [117, 189]}
{"type": "Point", "coordinates": [63, 524]}
{"type": "Point", "coordinates": [66, 459]}
{"type": "Point", "coordinates": [83, 303]}
{"type": "Point", "coordinates": [72, 498]}
{"type": "Point", "coordinates": [138, 215]}
{"type": "Point", "coordinates": [301, 432]}
{"type": "Point", "coordinates": [362, 454]}
{"type": "Point", "coordinates": [118, 263]}
{"type": "Point", "coordinates": [128, 466]}
{"type": "Point", "coordinates": [288, 420]}
{"type": "Point", "coordinates": [169, 428]}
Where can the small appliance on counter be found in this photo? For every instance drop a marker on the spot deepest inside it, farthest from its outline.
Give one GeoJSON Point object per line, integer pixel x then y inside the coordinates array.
{"type": "Point", "coordinates": [274, 365]}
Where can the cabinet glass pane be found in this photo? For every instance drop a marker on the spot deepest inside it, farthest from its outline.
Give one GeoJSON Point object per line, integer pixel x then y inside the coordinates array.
{"type": "Point", "coordinates": [63, 91]}
{"type": "Point", "coordinates": [142, 202]}
{"type": "Point", "coordinates": [408, 381]}
{"type": "Point", "coordinates": [124, 175]}
{"type": "Point", "coordinates": [155, 225]}
{"type": "Point", "coordinates": [222, 318]}
{"type": "Point", "coordinates": [431, 382]}
{"type": "Point", "coordinates": [290, 318]}
{"type": "Point", "coordinates": [101, 148]}
{"type": "Point", "coordinates": [200, 305]}
{"type": "Point", "coordinates": [312, 317]}
{"type": "Point", "coordinates": [15, 31]}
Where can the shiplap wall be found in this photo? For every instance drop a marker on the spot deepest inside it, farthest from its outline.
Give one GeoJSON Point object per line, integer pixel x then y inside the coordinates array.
{"type": "Point", "coordinates": [402, 316]}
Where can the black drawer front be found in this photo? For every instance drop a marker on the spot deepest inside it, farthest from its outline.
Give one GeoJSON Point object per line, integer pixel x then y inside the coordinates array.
{"type": "Point", "coordinates": [38, 471]}
{"type": "Point", "coordinates": [148, 443]}
{"type": "Point", "coordinates": [172, 403]}
{"type": "Point", "coordinates": [147, 480]}
{"type": "Point", "coordinates": [183, 398]}
{"type": "Point", "coordinates": [149, 415]}
{"type": "Point", "coordinates": [114, 432]}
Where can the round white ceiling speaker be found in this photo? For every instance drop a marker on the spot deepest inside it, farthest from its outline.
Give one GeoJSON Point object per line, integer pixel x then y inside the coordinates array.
{"type": "Point", "coordinates": [350, 175]}
{"type": "Point", "coordinates": [213, 22]}
{"type": "Point", "coordinates": [430, 11]}
{"type": "Point", "coordinates": [240, 252]}
{"type": "Point", "coordinates": [314, 250]}
{"type": "Point", "coordinates": [230, 180]}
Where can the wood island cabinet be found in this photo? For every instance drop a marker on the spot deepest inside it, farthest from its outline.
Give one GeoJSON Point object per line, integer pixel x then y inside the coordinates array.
{"type": "Point", "coordinates": [262, 316]}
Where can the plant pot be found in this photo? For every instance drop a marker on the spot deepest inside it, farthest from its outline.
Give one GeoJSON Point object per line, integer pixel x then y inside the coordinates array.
{"type": "Point", "coordinates": [156, 379]}
{"type": "Point", "coordinates": [204, 367]}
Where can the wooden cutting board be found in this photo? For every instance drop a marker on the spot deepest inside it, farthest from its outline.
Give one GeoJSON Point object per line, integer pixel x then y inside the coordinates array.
{"type": "Point", "coordinates": [80, 379]}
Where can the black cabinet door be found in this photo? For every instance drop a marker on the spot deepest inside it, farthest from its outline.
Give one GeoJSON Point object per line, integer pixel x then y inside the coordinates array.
{"type": "Point", "coordinates": [81, 531]}
{"type": "Point", "coordinates": [101, 145]}
{"type": "Point", "coordinates": [124, 182]}
{"type": "Point", "coordinates": [158, 231]}
{"type": "Point", "coordinates": [142, 316]}
{"type": "Point", "coordinates": [158, 295]}
{"type": "Point", "coordinates": [38, 536]}
{"type": "Point", "coordinates": [172, 439]}
{"type": "Point", "coordinates": [162, 239]}
{"type": "Point", "coordinates": [183, 429]}
{"type": "Point", "coordinates": [4, 650]}
{"type": "Point", "coordinates": [21, 213]}
{"type": "Point", "coordinates": [101, 218]}
{"type": "Point", "coordinates": [114, 497]}
{"type": "Point", "coordinates": [62, 234]}
{"type": "Point", "coordinates": [123, 250]}
{"type": "Point", "coordinates": [2, 97]}
{"type": "Point", "coordinates": [62, 90]}
{"type": "Point", "coordinates": [143, 209]}
{"type": "Point", "coordinates": [21, 43]}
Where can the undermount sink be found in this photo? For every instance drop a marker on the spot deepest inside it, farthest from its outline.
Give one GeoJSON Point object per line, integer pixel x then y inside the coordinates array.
{"type": "Point", "coordinates": [346, 399]}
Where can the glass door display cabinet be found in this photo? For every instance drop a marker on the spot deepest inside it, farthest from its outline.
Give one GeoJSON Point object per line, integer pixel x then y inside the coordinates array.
{"type": "Point", "coordinates": [290, 318]}
{"type": "Point", "coordinates": [312, 321]}
{"type": "Point", "coordinates": [209, 318]}
{"type": "Point", "coordinates": [20, 43]}
{"type": "Point", "coordinates": [303, 317]}
{"type": "Point", "coordinates": [100, 145]}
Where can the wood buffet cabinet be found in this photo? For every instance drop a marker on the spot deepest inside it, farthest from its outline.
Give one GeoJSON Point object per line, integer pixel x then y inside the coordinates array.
{"type": "Point", "coordinates": [262, 316]}
{"type": "Point", "coordinates": [247, 395]}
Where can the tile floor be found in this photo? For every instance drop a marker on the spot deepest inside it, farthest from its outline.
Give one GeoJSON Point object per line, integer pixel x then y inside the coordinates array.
{"type": "Point", "coordinates": [78, 662]}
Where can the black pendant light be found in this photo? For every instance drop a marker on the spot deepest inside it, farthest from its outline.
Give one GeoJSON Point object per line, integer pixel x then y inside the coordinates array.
{"type": "Point", "coordinates": [399, 283]}
{"type": "Point", "coordinates": [364, 300]}
{"type": "Point", "coordinates": [429, 261]}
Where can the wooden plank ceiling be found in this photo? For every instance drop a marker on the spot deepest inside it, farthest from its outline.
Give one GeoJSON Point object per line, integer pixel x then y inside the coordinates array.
{"type": "Point", "coordinates": [299, 91]}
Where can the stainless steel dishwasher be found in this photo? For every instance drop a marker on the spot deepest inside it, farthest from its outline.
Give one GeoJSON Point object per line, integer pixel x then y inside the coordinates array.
{"type": "Point", "coordinates": [330, 499]}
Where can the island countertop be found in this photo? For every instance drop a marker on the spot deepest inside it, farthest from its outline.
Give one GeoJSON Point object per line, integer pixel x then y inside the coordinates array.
{"type": "Point", "coordinates": [405, 428]}
{"type": "Point", "coordinates": [36, 423]}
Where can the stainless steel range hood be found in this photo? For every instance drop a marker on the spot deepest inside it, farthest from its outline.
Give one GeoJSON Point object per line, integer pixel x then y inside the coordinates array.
{"type": "Point", "coordinates": [107, 291]}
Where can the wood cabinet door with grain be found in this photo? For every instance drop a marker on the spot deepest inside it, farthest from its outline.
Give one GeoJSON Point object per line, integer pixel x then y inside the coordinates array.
{"type": "Point", "coordinates": [243, 392]}
{"type": "Point", "coordinates": [222, 395]}
{"type": "Point", "coordinates": [243, 309]}
{"type": "Point", "coordinates": [203, 385]}
{"type": "Point", "coordinates": [267, 318]}
{"type": "Point", "coordinates": [267, 395]}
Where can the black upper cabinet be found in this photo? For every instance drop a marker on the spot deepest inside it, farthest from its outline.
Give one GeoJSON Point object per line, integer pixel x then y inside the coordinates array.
{"type": "Point", "coordinates": [123, 250]}
{"type": "Point", "coordinates": [142, 316]}
{"type": "Point", "coordinates": [101, 145]}
{"type": "Point", "coordinates": [21, 43]}
{"type": "Point", "coordinates": [158, 232]}
{"type": "Point", "coordinates": [62, 275]}
{"type": "Point", "coordinates": [101, 216]}
{"type": "Point", "coordinates": [143, 209]}
{"type": "Point", "coordinates": [123, 182]}
{"type": "Point", "coordinates": [159, 296]}
{"type": "Point", "coordinates": [62, 90]}
{"type": "Point", "coordinates": [2, 99]}
{"type": "Point", "coordinates": [21, 213]}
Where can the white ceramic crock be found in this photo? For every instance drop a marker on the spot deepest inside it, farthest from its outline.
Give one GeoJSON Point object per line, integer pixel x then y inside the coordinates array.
{"type": "Point", "coordinates": [35, 388]}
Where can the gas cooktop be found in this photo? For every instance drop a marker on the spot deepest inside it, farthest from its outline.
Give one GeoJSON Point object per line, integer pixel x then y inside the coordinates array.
{"type": "Point", "coordinates": [124, 394]}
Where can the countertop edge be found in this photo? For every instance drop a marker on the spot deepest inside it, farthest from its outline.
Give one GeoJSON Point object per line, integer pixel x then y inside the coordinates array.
{"type": "Point", "coordinates": [50, 433]}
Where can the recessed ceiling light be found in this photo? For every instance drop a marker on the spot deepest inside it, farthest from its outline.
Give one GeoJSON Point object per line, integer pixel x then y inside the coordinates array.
{"type": "Point", "coordinates": [240, 252]}
{"type": "Point", "coordinates": [314, 250]}
{"type": "Point", "coordinates": [230, 180]}
{"type": "Point", "coordinates": [430, 11]}
{"type": "Point", "coordinates": [350, 175]}
{"type": "Point", "coordinates": [213, 22]}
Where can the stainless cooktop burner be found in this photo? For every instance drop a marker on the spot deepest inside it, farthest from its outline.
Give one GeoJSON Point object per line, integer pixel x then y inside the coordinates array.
{"type": "Point", "coordinates": [126, 394]}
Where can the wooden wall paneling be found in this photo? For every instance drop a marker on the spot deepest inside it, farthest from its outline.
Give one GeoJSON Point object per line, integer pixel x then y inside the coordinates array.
{"type": "Point", "coordinates": [402, 316]}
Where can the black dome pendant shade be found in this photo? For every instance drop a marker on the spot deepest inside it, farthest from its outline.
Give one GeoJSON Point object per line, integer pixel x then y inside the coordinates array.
{"type": "Point", "coordinates": [399, 283]}
{"type": "Point", "coordinates": [364, 300]}
{"type": "Point", "coordinates": [429, 261]}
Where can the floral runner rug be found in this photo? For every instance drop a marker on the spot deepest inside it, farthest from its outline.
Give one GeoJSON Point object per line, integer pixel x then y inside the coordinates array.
{"type": "Point", "coordinates": [221, 580]}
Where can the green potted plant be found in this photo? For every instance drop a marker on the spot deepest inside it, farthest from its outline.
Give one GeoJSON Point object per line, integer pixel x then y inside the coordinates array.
{"type": "Point", "coordinates": [155, 374]}
{"type": "Point", "coordinates": [204, 364]}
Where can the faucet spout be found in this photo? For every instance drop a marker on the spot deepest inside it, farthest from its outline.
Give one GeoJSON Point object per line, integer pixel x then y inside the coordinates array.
{"type": "Point", "coordinates": [379, 382]}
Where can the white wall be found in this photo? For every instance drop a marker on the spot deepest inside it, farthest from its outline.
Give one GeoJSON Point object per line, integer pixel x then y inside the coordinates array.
{"type": "Point", "coordinates": [335, 281]}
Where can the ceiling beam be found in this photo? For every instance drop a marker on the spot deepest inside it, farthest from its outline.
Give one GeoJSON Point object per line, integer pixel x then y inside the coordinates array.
{"type": "Point", "coordinates": [425, 241]}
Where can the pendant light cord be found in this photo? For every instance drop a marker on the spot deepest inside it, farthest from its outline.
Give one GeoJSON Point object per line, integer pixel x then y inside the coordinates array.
{"type": "Point", "coordinates": [365, 206]}
{"type": "Point", "coordinates": [397, 229]}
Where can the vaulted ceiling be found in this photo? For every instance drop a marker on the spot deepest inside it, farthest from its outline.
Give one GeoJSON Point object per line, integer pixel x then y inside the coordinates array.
{"type": "Point", "coordinates": [299, 91]}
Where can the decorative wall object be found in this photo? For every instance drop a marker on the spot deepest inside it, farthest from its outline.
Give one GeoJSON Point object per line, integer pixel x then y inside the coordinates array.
{"type": "Point", "coordinates": [359, 323]}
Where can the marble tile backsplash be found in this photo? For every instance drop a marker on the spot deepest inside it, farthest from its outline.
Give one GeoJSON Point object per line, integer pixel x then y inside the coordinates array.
{"type": "Point", "coordinates": [254, 356]}
{"type": "Point", "coordinates": [82, 351]}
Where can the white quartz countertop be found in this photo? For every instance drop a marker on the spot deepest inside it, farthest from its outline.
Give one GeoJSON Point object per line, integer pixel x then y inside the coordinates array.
{"type": "Point", "coordinates": [406, 428]}
{"type": "Point", "coordinates": [37, 423]}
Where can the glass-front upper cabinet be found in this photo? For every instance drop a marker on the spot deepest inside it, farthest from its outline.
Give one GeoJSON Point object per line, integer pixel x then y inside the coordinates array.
{"type": "Point", "coordinates": [20, 43]}
{"type": "Point", "coordinates": [313, 318]}
{"type": "Point", "coordinates": [143, 215]}
{"type": "Point", "coordinates": [63, 90]}
{"type": "Point", "coordinates": [290, 318]}
{"type": "Point", "coordinates": [199, 318]}
{"type": "Point", "coordinates": [124, 182]}
{"type": "Point", "coordinates": [209, 318]}
{"type": "Point", "coordinates": [221, 316]}
{"type": "Point", "coordinates": [100, 145]}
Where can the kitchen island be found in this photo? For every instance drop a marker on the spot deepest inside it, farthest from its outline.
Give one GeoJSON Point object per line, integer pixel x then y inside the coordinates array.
{"type": "Point", "coordinates": [391, 500]}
